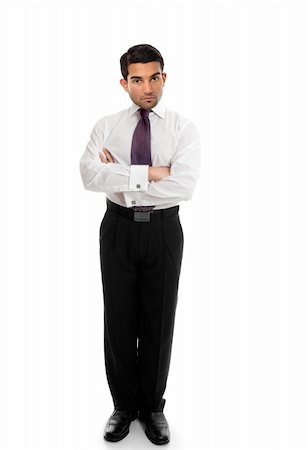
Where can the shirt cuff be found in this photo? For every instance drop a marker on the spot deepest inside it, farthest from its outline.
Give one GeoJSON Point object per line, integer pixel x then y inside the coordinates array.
{"type": "Point", "coordinates": [132, 199]}
{"type": "Point", "coordinates": [138, 180]}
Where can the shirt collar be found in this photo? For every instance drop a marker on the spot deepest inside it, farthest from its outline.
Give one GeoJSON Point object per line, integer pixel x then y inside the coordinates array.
{"type": "Point", "coordinates": [159, 109]}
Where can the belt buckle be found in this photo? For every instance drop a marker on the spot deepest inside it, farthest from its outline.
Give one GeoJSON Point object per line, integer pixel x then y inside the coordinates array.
{"type": "Point", "coordinates": [142, 216]}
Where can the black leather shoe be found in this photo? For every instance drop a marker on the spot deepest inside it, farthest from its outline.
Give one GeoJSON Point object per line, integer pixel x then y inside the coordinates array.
{"type": "Point", "coordinates": [156, 427]}
{"type": "Point", "coordinates": [118, 424]}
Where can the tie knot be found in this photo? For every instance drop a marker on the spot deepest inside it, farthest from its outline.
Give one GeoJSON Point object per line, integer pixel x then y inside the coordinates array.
{"type": "Point", "coordinates": [144, 113]}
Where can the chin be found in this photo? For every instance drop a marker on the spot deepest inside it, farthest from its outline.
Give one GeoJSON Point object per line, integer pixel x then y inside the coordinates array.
{"type": "Point", "coordinates": [148, 105]}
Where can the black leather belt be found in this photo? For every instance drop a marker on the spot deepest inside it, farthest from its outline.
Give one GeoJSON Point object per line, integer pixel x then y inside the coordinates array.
{"type": "Point", "coordinates": [138, 216]}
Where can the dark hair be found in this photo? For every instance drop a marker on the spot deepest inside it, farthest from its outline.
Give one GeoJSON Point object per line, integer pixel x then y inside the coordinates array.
{"type": "Point", "coordinates": [142, 53]}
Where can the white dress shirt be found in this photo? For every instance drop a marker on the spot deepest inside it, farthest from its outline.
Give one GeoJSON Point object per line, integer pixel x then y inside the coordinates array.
{"type": "Point", "coordinates": [175, 142]}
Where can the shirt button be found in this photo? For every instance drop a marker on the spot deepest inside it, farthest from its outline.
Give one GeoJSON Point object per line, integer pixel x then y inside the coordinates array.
{"type": "Point", "coordinates": [138, 186]}
{"type": "Point", "coordinates": [133, 202]}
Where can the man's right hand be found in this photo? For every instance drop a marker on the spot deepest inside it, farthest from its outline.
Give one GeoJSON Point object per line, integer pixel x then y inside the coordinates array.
{"type": "Point", "coordinates": [158, 173]}
{"type": "Point", "coordinates": [106, 157]}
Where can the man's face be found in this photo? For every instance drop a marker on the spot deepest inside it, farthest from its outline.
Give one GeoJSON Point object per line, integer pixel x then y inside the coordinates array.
{"type": "Point", "coordinates": [145, 83]}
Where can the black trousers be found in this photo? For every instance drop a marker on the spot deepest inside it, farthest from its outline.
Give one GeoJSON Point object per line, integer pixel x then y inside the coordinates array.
{"type": "Point", "coordinates": [140, 265]}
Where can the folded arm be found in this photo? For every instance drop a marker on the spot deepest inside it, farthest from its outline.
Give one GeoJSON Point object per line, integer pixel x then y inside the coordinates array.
{"type": "Point", "coordinates": [100, 173]}
{"type": "Point", "coordinates": [184, 173]}
{"type": "Point", "coordinates": [143, 185]}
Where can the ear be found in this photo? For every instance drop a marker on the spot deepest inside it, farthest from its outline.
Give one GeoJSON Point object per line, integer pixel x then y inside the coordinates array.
{"type": "Point", "coordinates": [123, 83]}
{"type": "Point", "coordinates": [164, 76]}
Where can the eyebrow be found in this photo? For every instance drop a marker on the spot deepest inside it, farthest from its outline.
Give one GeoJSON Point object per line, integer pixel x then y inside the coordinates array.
{"type": "Point", "coordinates": [139, 78]}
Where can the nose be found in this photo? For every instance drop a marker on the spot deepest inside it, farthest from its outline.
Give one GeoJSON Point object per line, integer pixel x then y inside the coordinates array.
{"type": "Point", "coordinates": [148, 89]}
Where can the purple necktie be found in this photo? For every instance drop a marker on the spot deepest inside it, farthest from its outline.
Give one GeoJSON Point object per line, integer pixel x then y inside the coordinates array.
{"type": "Point", "coordinates": [141, 147]}
{"type": "Point", "coordinates": [141, 143]}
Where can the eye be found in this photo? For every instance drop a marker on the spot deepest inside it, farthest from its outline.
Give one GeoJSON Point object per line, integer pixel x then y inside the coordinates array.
{"type": "Point", "coordinates": [136, 81]}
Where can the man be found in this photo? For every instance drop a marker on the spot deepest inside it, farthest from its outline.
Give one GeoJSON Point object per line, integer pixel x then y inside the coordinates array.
{"type": "Point", "coordinates": [146, 158]}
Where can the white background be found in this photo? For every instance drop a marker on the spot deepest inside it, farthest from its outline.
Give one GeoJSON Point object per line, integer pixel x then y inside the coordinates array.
{"type": "Point", "coordinates": [238, 377]}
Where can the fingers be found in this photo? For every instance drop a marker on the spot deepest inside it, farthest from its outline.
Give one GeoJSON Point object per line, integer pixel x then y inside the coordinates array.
{"type": "Point", "coordinates": [102, 157]}
{"type": "Point", "coordinates": [106, 157]}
